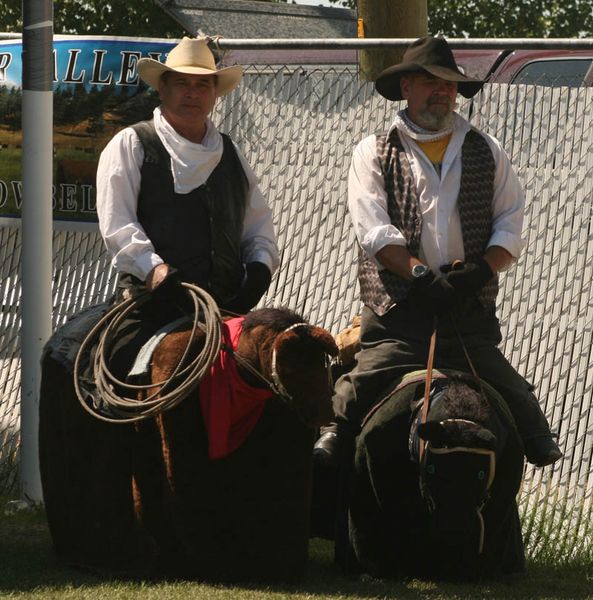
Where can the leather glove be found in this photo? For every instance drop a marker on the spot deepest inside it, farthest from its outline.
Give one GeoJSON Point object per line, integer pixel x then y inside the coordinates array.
{"type": "Point", "coordinates": [169, 289]}
{"type": "Point", "coordinates": [256, 282]}
{"type": "Point", "coordinates": [468, 278]}
{"type": "Point", "coordinates": [433, 294]}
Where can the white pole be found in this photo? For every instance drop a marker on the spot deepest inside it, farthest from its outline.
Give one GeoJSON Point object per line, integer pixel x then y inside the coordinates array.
{"type": "Point", "coordinates": [36, 259]}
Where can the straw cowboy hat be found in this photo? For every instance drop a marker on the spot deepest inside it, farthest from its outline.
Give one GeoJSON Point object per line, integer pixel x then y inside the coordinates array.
{"type": "Point", "coordinates": [192, 57]}
{"type": "Point", "coordinates": [431, 55]}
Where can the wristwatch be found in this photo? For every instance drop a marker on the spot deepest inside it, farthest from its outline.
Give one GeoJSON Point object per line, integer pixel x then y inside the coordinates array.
{"type": "Point", "coordinates": [419, 271]}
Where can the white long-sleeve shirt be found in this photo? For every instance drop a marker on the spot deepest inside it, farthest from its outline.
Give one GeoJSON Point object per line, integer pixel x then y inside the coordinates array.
{"type": "Point", "coordinates": [118, 186]}
{"type": "Point", "coordinates": [441, 240]}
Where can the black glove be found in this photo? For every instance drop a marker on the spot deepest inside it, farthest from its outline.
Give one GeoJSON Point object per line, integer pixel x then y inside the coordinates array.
{"type": "Point", "coordinates": [256, 282]}
{"type": "Point", "coordinates": [432, 294]}
{"type": "Point", "coordinates": [169, 289]}
{"type": "Point", "coordinates": [468, 278]}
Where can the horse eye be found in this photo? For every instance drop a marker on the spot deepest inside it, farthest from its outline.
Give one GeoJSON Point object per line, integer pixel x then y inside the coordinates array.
{"type": "Point", "coordinates": [481, 475]}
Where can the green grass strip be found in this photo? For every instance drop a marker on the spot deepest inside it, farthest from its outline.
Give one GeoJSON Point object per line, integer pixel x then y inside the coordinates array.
{"type": "Point", "coordinates": [29, 569]}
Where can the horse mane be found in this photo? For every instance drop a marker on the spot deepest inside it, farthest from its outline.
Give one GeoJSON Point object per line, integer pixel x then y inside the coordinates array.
{"type": "Point", "coordinates": [463, 399]}
{"type": "Point", "coordinates": [277, 319]}
{"type": "Point", "coordinates": [461, 417]}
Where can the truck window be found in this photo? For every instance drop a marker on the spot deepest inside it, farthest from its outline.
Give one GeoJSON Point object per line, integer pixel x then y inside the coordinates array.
{"type": "Point", "coordinates": [554, 73]}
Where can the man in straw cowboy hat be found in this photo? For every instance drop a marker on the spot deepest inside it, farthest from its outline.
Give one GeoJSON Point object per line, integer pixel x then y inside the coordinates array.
{"type": "Point", "coordinates": [437, 210]}
{"type": "Point", "coordinates": [174, 195]}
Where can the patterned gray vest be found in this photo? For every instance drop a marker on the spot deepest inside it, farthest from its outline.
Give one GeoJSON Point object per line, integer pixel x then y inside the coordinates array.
{"type": "Point", "coordinates": [381, 290]}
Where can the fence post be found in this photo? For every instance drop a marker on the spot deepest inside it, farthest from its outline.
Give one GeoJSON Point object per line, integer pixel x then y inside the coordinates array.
{"type": "Point", "coordinates": [388, 19]}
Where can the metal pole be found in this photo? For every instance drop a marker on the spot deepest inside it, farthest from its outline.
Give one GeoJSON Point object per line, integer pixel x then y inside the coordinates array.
{"type": "Point", "coordinates": [36, 262]}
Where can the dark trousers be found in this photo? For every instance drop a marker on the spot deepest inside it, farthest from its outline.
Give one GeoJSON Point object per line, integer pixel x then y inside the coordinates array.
{"type": "Point", "coordinates": [398, 342]}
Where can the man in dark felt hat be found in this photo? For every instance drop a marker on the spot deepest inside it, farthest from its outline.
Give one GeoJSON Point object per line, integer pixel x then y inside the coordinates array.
{"type": "Point", "coordinates": [430, 193]}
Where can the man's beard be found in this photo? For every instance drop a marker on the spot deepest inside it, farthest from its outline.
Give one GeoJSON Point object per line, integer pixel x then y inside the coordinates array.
{"type": "Point", "coordinates": [434, 121]}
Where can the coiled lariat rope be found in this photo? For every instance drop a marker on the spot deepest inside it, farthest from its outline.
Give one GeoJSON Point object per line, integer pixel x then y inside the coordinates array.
{"type": "Point", "coordinates": [145, 401]}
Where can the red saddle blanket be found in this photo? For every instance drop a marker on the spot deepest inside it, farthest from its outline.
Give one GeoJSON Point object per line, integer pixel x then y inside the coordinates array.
{"type": "Point", "coordinates": [230, 407]}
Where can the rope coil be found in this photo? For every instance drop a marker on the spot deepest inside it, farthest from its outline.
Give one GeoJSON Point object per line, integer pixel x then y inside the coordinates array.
{"type": "Point", "coordinates": [149, 400]}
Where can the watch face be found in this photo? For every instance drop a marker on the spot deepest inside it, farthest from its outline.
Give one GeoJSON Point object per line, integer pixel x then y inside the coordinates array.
{"type": "Point", "coordinates": [419, 271]}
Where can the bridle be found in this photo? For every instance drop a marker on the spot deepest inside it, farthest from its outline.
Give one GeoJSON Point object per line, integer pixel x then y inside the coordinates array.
{"type": "Point", "coordinates": [486, 482]}
{"type": "Point", "coordinates": [427, 468]}
{"type": "Point", "coordinates": [275, 384]}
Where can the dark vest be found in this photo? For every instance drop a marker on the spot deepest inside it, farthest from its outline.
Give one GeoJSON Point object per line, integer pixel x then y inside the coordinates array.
{"type": "Point", "coordinates": [381, 290]}
{"type": "Point", "coordinates": [197, 233]}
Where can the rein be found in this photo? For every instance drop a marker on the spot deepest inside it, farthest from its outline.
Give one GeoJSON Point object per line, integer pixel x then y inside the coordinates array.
{"type": "Point", "coordinates": [429, 369]}
{"type": "Point", "coordinates": [423, 445]}
{"type": "Point", "coordinates": [427, 384]}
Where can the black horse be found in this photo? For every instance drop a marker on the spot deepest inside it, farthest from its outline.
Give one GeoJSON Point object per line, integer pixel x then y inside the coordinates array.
{"type": "Point", "coordinates": [434, 498]}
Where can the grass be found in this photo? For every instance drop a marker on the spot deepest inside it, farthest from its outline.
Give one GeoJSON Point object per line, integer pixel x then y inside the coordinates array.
{"type": "Point", "coordinates": [28, 569]}
{"type": "Point", "coordinates": [556, 529]}
{"type": "Point", "coordinates": [10, 164]}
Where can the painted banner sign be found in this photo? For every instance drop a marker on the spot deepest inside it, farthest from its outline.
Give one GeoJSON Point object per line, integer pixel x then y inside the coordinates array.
{"type": "Point", "coordinates": [97, 92]}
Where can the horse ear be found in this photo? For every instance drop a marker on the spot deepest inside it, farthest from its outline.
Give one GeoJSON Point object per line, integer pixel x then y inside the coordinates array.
{"type": "Point", "coordinates": [317, 335]}
{"type": "Point", "coordinates": [432, 431]}
{"type": "Point", "coordinates": [325, 340]}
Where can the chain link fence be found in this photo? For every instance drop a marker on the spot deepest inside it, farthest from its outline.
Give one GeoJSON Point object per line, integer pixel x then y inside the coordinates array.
{"type": "Point", "coordinates": [298, 128]}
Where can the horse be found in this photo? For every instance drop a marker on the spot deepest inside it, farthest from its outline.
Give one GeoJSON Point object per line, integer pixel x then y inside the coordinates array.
{"type": "Point", "coordinates": [147, 499]}
{"type": "Point", "coordinates": [433, 498]}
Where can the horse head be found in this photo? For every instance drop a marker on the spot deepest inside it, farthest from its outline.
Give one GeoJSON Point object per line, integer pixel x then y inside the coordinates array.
{"type": "Point", "coordinates": [292, 356]}
{"type": "Point", "coordinates": [458, 462]}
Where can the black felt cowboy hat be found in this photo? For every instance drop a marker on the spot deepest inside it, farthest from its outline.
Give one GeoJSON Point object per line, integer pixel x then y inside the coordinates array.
{"type": "Point", "coordinates": [431, 55]}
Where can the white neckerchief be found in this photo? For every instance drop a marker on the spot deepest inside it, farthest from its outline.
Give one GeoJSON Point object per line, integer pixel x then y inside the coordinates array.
{"type": "Point", "coordinates": [417, 133]}
{"type": "Point", "coordinates": [191, 163]}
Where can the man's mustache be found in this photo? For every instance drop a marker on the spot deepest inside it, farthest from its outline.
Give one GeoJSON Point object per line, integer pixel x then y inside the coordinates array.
{"type": "Point", "coordinates": [440, 100]}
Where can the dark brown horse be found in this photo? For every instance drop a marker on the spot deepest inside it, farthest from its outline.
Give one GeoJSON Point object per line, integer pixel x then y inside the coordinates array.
{"type": "Point", "coordinates": [146, 499]}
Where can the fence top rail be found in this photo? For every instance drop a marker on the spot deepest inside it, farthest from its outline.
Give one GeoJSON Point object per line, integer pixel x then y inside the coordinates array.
{"type": "Point", "coordinates": [358, 44]}
{"type": "Point", "coordinates": [364, 43]}
{"type": "Point", "coordinates": [369, 43]}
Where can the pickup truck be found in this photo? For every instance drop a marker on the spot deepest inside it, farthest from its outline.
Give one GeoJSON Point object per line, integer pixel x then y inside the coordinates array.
{"type": "Point", "coordinates": [571, 68]}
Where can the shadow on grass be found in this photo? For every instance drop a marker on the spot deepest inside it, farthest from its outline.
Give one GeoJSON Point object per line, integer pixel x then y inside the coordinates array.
{"type": "Point", "coordinates": [27, 564]}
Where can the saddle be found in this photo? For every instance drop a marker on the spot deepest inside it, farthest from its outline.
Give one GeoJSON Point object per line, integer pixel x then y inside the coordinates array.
{"type": "Point", "coordinates": [65, 342]}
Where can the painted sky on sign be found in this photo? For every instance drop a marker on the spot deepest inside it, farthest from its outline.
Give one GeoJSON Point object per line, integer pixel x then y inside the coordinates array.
{"type": "Point", "coordinates": [11, 64]}
{"type": "Point", "coordinates": [87, 62]}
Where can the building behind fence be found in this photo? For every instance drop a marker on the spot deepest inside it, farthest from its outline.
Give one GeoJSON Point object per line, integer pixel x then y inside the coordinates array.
{"type": "Point", "coordinates": [297, 128]}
